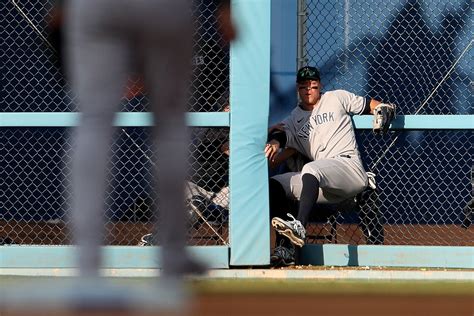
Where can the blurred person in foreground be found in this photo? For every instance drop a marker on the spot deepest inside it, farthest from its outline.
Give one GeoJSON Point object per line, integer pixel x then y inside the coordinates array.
{"type": "Point", "coordinates": [103, 39]}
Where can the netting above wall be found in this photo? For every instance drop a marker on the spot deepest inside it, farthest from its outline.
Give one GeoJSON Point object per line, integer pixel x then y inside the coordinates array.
{"type": "Point", "coordinates": [32, 80]}
{"type": "Point", "coordinates": [395, 52]}
{"type": "Point", "coordinates": [417, 54]}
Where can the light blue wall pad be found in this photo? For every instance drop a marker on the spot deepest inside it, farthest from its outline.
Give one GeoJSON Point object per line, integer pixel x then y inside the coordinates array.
{"type": "Point", "coordinates": [249, 95]}
{"type": "Point", "coordinates": [132, 257]}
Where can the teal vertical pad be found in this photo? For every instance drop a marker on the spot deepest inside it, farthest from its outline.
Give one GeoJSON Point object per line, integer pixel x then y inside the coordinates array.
{"type": "Point", "coordinates": [249, 98]}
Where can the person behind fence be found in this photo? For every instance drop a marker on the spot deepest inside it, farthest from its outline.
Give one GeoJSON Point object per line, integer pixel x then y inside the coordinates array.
{"type": "Point", "coordinates": [321, 129]}
{"type": "Point", "coordinates": [207, 191]}
{"type": "Point", "coordinates": [102, 39]}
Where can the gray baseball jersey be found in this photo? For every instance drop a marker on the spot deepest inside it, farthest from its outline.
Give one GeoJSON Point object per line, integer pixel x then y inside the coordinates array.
{"type": "Point", "coordinates": [327, 131]}
{"type": "Point", "coordinates": [326, 136]}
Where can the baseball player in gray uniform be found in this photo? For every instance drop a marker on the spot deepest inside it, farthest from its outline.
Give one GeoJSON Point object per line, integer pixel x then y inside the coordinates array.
{"type": "Point", "coordinates": [103, 39]}
{"type": "Point", "coordinates": [321, 129]}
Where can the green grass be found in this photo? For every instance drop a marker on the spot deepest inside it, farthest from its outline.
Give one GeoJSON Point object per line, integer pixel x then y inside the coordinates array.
{"type": "Point", "coordinates": [351, 287]}
{"type": "Point", "coordinates": [292, 286]}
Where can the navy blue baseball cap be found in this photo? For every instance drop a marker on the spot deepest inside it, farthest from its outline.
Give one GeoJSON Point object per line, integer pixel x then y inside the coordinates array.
{"type": "Point", "coordinates": [308, 73]}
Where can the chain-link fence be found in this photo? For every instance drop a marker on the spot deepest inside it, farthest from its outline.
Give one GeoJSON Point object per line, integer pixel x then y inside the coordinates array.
{"type": "Point", "coordinates": [35, 178]}
{"type": "Point", "coordinates": [34, 160]}
{"type": "Point", "coordinates": [415, 53]}
{"type": "Point", "coordinates": [418, 55]}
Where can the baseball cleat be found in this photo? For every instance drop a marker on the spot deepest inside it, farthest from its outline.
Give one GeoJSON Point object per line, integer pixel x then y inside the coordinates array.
{"type": "Point", "coordinates": [146, 240]}
{"type": "Point", "coordinates": [292, 229]}
{"type": "Point", "coordinates": [282, 256]}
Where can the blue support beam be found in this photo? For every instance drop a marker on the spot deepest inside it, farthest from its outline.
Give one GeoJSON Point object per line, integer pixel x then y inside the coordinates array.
{"type": "Point", "coordinates": [124, 119]}
{"type": "Point", "coordinates": [421, 122]}
{"type": "Point", "coordinates": [216, 119]}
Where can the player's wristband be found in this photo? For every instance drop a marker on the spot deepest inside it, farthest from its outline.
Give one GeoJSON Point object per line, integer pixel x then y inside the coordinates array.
{"type": "Point", "coordinates": [367, 106]}
{"type": "Point", "coordinates": [279, 136]}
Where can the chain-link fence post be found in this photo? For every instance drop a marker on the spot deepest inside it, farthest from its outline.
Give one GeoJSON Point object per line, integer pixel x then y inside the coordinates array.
{"type": "Point", "coordinates": [301, 21]}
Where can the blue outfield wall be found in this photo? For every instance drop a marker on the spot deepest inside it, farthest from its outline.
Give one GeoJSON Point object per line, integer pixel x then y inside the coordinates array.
{"type": "Point", "coordinates": [116, 257]}
{"type": "Point", "coordinates": [217, 257]}
{"type": "Point", "coordinates": [388, 256]}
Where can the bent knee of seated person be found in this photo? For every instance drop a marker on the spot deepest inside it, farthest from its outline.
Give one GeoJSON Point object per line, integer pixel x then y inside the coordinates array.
{"type": "Point", "coordinates": [290, 182]}
{"type": "Point", "coordinates": [338, 180]}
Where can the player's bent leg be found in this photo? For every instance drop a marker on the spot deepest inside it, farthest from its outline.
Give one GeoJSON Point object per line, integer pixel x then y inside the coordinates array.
{"type": "Point", "coordinates": [309, 197]}
{"type": "Point", "coordinates": [339, 178]}
{"type": "Point", "coordinates": [280, 193]}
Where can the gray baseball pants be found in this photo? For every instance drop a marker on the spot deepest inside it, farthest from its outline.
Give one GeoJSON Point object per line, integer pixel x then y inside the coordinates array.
{"type": "Point", "coordinates": [339, 178]}
{"type": "Point", "coordinates": [104, 39]}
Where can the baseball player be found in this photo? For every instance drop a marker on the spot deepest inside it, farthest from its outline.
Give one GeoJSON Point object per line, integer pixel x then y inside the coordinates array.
{"type": "Point", "coordinates": [321, 129]}
{"type": "Point", "coordinates": [103, 38]}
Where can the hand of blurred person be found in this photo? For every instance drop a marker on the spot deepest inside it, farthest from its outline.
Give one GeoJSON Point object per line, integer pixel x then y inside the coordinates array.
{"type": "Point", "coordinates": [225, 148]}
{"type": "Point", "coordinates": [226, 25]}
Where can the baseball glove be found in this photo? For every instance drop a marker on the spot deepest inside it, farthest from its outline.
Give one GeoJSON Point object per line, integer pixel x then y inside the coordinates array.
{"type": "Point", "coordinates": [384, 113]}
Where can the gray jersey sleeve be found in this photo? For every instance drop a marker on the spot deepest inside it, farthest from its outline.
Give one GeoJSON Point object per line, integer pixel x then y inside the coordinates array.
{"type": "Point", "coordinates": [297, 127]}
{"type": "Point", "coordinates": [352, 103]}
{"type": "Point", "coordinates": [289, 130]}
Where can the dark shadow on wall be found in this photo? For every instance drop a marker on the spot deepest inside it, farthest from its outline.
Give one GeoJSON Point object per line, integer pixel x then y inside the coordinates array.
{"type": "Point", "coordinates": [282, 101]}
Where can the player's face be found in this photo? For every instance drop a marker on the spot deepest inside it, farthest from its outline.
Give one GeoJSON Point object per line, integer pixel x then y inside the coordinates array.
{"type": "Point", "coordinates": [309, 92]}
